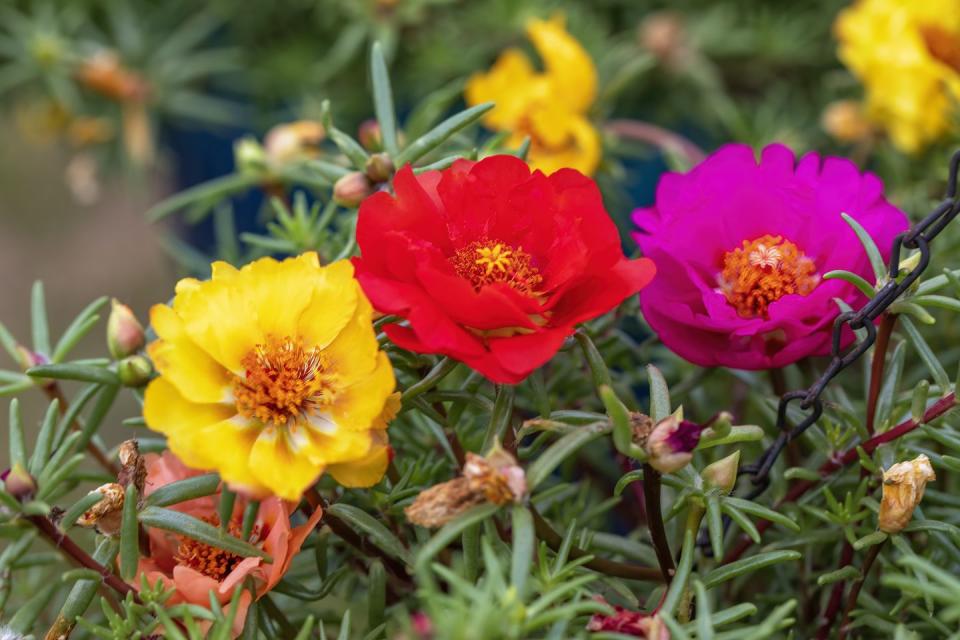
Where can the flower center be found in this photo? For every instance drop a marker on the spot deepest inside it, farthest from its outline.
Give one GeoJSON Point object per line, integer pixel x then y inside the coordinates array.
{"type": "Point", "coordinates": [942, 45]}
{"type": "Point", "coordinates": [283, 382]}
{"type": "Point", "coordinates": [209, 560]}
{"type": "Point", "coordinates": [762, 271]}
{"type": "Point", "coordinates": [485, 262]}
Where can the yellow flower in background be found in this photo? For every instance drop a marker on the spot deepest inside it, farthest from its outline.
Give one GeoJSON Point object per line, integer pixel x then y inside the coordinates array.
{"type": "Point", "coordinates": [907, 54]}
{"type": "Point", "coordinates": [271, 374]}
{"type": "Point", "coordinates": [549, 106]}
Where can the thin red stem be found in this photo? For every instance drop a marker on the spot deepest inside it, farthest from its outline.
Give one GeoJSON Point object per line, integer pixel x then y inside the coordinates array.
{"type": "Point", "coordinates": [658, 535]}
{"type": "Point", "coordinates": [868, 561]}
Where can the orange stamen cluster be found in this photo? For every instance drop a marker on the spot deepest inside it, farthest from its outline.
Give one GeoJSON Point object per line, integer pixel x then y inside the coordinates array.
{"type": "Point", "coordinates": [486, 262]}
{"type": "Point", "coordinates": [209, 560]}
{"type": "Point", "coordinates": [942, 45]}
{"type": "Point", "coordinates": [283, 382]}
{"type": "Point", "coordinates": [762, 271]}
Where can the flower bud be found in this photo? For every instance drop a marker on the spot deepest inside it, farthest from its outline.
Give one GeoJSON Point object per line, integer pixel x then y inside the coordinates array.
{"type": "Point", "coordinates": [352, 189]}
{"type": "Point", "coordinates": [369, 135]}
{"type": "Point", "coordinates": [665, 36]}
{"type": "Point", "coordinates": [903, 486]}
{"type": "Point", "coordinates": [134, 371]}
{"type": "Point", "coordinates": [249, 156]}
{"type": "Point", "coordinates": [19, 483]}
{"type": "Point", "coordinates": [379, 168]}
{"type": "Point", "coordinates": [124, 332]}
{"type": "Point", "coordinates": [722, 474]}
{"type": "Point", "coordinates": [106, 514]}
{"type": "Point", "coordinates": [845, 121]}
{"type": "Point", "coordinates": [671, 444]}
{"type": "Point", "coordinates": [293, 141]}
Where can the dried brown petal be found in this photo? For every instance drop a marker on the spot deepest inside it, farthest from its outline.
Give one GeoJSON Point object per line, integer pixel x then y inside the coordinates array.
{"type": "Point", "coordinates": [133, 468]}
{"type": "Point", "coordinates": [903, 486]}
{"type": "Point", "coordinates": [106, 514]}
{"type": "Point", "coordinates": [441, 503]}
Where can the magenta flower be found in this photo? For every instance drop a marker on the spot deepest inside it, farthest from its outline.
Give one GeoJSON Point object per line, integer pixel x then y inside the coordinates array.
{"type": "Point", "coordinates": [741, 248]}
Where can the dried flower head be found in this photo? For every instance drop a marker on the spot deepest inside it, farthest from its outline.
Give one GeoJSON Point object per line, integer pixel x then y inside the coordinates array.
{"type": "Point", "coordinates": [495, 478]}
{"type": "Point", "coordinates": [105, 515]}
{"type": "Point", "coordinates": [903, 486]}
{"type": "Point", "coordinates": [631, 623]}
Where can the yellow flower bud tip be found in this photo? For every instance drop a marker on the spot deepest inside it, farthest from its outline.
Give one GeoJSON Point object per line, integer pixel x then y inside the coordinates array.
{"type": "Point", "coordinates": [352, 189]}
{"type": "Point", "coordinates": [134, 371]}
{"type": "Point", "coordinates": [903, 486]}
{"type": "Point", "coordinates": [671, 443]}
{"type": "Point", "coordinates": [846, 121]}
{"type": "Point", "coordinates": [19, 483]}
{"type": "Point", "coordinates": [722, 474]}
{"type": "Point", "coordinates": [125, 334]}
{"type": "Point", "coordinates": [379, 168]}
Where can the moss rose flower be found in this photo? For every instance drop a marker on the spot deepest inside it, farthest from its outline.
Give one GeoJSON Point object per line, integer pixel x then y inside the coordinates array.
{"type": "Point", "coordinates": [491, 264]}
{"type": "Point", "coordinates": [741, 249]}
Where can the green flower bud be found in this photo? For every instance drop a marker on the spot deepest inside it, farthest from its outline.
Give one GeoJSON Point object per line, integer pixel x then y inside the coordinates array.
{"type": "Point", "coordinates": [722, 474]}
{"type": "Point", "coordinates": [134, 371]}
{"type": "Point", "coordinates": [379, 168]}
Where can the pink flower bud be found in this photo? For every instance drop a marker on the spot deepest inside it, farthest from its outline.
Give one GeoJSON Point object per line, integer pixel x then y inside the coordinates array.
{"type": "Point", "coordinates": [671, 444]}
{"type": "Point", "coordinates": [351, 189]}
{"type": "Point", "coordinates": [124, 332]}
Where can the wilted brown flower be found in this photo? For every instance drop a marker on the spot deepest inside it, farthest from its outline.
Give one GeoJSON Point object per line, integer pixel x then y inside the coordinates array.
{"type": "Point", "coordinates": [664, 34]}
{"type": "Point", "coordinates": [133, 469]}
{"type": "Point", "coordinates": [846, 121]}
{"type": "Point", "coordinates": [496, 478]}
{"type": "Point", "coordinates": [631, 623]}
{"type": "Point", "coordinates": [106, 514]}
{"type": "Point", "coordinates": [903, 486]}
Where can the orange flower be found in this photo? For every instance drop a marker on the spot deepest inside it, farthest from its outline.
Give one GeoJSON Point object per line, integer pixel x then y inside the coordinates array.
{"type": "Point", "coordinates": [193, 569]}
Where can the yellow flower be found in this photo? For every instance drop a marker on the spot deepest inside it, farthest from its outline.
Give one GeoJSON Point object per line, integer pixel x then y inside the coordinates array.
{"type": "Point", "coordinates": [907, 54]}
{"type": "Point", "coordinates": [549, 106]}
{"type": "Point", "coordinates": [271, 374]}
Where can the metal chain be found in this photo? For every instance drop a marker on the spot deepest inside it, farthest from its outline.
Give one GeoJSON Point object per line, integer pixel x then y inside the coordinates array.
{"type": "Point", "coordinates": [916, 238]}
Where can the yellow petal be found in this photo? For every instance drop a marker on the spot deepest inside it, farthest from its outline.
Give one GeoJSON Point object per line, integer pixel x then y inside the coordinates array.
{"type": "Point", "coordinates": [581, 149]}
{"type": "Point", "coordinates": [181, 362]}
{"type": "Point", "coordinates": [568, 65]}
{"type": "Point", "coordinates": [333, 301]}
{"type": "Point", "coordinates": [224, 446]}
{"type": "Point", "coordinates": [360, 405]}
{"type": "Point", "coordinates": [166, 410]}
{"type": "Point", "coordinates": [280, 291]}
{"type": "Point", "coordinates": [512, 84]}
{"type": "Point", "coordinates": [367, 471]}
{"type": "Point", "coordinates": [285, 472]}
{"type": "Point", "coordinates": [353, 354]}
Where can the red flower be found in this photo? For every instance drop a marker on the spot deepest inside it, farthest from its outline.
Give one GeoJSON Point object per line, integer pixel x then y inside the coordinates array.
{"type": "Point", "coordinates": [491, 264]}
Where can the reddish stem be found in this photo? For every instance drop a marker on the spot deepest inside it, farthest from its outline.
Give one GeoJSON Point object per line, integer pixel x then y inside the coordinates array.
{"type": "Point", "coordinates": [857, 586]}
{"type": "Point", "coordinates": [836, 596]}
{"type": "Point", "coordinates": [63, 542]}
{"type": "Point", "coordinates": [835, 463]}
{"type": "Point", "coordinates": [657, 136]}
{"type": "Point", "coordinates": [877, 366]}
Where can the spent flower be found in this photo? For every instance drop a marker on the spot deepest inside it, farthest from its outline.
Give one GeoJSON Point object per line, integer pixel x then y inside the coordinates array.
{"type": "Point", "coordinates": [671, 443]}
{"type": "Point", "coordinates": [903, 485]}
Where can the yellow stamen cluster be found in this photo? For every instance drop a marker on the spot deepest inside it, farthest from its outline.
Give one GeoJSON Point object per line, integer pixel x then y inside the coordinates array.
{"type": "Point", "coordinates": [209, 560]}
{"type": "Point", "coordinates": [486, 262]}
{"type": "Point", "coordinates": [764, 270]}
{"type": "Point", "coordinates": [283, 382]}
